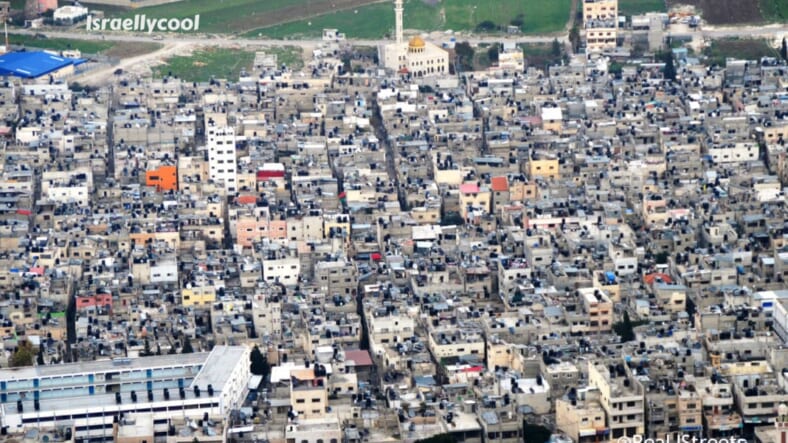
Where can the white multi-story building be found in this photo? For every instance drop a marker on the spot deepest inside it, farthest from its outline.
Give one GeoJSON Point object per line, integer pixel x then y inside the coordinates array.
{"type": "Point", "coordinates": [222, 164]}
{"type": "Point", "coordinates": [190, 385]}
{"type": "Point", "coordinates": [283, 270]}
{"type": "Point", "coordinates": [67, 186]}
{"type": "Point", "coordinates": [734, 152]}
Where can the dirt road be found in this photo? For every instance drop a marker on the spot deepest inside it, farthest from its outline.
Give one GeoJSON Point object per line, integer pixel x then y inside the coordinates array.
{"type": "Point", "coordinates": [139, 65]}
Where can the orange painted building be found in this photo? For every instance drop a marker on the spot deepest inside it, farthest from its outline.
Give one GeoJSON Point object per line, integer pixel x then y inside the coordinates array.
{"type": "Point", "coordinates": [164, 178]}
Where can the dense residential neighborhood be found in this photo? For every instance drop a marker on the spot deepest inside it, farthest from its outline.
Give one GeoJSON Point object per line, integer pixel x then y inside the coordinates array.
{"type": "Point", "coordinates": [397, 247]}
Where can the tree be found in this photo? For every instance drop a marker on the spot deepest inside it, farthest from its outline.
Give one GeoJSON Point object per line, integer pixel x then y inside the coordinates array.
{"type": "Point", "coordinates": [670, 68]}
{"type": "Point", "coordinates": [535, 433]}
{"type": "Point", "coordinates": [625, 329]}
{"type": "Point", "coordinates": [258, 363]}
{"type": "Point", "coordinates": [661, 258]}
{"type": "Point", "coordinates": [784, 50]}
{"type": "Point", "coordinates": [346, 65]}
{"type": "Point", "coordinates": [492, 54]}
{"type": "Point", "coordinates": [465, 54]}
{"type": "Point", "coordinates": [486, 26]}
{"type": "Point", "coordinates": [23, 356]}
{"type": "Point", "coordinates": [574, 38]}
{"type": "Point", "coordinates": [518, 21]}
{"type": "Point", "coordinates": [615, 68]}
{"type": "Point", "coordinates": [452, 218]}
{"type": "Point", "coordinates": [556, 48]}
{"type": "Point", "coordinates": [187, 346]}
{"type": "Point", "coordinates": [146, 351]}
{"type": "Point", "coordinates": [691, 309]}
{"type": "Point", "coordinates": [440, 438]}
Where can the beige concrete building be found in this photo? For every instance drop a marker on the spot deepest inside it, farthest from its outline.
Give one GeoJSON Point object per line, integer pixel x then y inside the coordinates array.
{"type": "Point", "coordinates": [600, 20]}
{"type": "Point", "coordinates": [621, 398]}
{"type": "Point", "coordinates": [582, 420]}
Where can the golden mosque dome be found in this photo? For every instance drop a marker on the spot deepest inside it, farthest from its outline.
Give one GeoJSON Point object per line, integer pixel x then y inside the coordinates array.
{"type": "Point", "coordinates": [416, 43]}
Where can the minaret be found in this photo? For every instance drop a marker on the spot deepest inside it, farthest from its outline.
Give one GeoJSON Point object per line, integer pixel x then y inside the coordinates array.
{"type": "Point", "coordinates": [398, 20]}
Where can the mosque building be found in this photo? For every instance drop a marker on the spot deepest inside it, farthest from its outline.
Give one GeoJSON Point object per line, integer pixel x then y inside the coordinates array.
{"type": "Point", "coordinates": [416, 57]}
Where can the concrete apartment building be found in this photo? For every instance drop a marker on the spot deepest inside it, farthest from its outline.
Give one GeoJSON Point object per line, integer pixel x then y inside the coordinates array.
{"type": "Point", "coordinates": [620, 396]}
{"type": "Point", "coordinates": [600, 22]}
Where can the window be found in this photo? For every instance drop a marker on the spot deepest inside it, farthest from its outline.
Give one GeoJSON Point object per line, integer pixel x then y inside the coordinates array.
{"type": "Point", "coordinates": [300, 400]}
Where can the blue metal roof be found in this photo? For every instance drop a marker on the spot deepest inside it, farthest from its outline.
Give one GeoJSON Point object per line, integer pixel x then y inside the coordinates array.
{"type": "Point", "coordinates": [32, 64]}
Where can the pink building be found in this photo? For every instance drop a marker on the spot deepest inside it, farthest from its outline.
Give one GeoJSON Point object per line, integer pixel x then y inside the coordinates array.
{"type": "Point", "coordinates": [95, 301]}
{"type": "Point", "coordinates": [40, 6]}
{"type": "Point", "coordinates": [249, 230]}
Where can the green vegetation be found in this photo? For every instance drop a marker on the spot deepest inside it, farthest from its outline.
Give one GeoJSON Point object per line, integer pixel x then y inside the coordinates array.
{"type": "Point", "coordinates": [626, 328]}
{"type": "Point", "coordinates": [187, 346]}
{"type": "Point", "coordinates": [465, 55]}
{"type": "Point", "coordinates": [109, 10]}
{"type": "Point", "coordinates": [440, 438]}
{"type": "Point", "coordinates": [292, 56]}
{"type": "Point", "coordinates": [746, 49]}
{"type": "Point", "coordinates": [637, 7]}
{"type": "Point", "coordinates": [485, 57]}
{"type": "Point", "coordinates": [225, 15]}
{"type": "Point", "coordinates": [204, 64]}
{"type": "Point", "coordinates": [61, 314]}
{"type": "Point", "coordinates": [540, 55]}
{"type": "Point", "coordinates": [535, 433]}
{"type": "Point", "coordinates": [670, 74]}
{"type": "Point", "coordinates": [452, 218]}
{"type": "Point", "coordinates": [258, 364]}
{"type": "Point", "coordinates": [23, 356]}
{"type": "Point", "coordinates": [59, 44]}
{"type": "Point", "coordinates": [377, 20]}
{"type": "Point", "coordinates": [774, 10]}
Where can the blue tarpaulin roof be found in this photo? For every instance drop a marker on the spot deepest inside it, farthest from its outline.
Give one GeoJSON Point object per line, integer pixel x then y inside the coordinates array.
{"type": "Point", "coordinates": [33, 64]}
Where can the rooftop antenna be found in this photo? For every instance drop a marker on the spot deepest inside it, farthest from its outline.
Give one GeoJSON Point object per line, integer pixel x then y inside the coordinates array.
{"type": "Point", "coordinates": [5, 26]}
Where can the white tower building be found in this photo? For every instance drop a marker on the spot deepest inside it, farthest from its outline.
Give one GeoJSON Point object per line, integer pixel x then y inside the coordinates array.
{"type": "Point", "coordinates": [222, 164]}
{"type": "Point", "coordinates": [398, 10]}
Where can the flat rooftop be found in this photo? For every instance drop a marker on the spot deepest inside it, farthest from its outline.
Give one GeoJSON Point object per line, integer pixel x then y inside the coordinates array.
{"type": "Point", "coordinates": [99, 366]}
{"type": "Point", "coordinates": [137, 426]}
{"type": "Point", "coordinates": [216, 368]}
